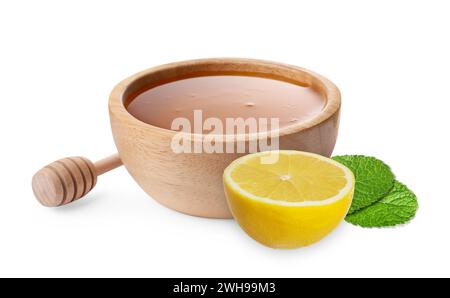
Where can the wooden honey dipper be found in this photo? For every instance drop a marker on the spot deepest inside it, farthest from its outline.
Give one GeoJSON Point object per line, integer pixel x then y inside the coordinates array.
{"type": "Point", "coordinates": [69, 179]}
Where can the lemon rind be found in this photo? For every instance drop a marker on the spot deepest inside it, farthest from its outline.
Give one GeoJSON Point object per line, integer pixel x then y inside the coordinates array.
{"type": "Point", "coordinates": [339, 196]}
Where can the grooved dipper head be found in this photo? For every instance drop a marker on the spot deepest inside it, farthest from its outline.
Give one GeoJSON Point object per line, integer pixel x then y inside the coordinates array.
{"type": "Point", "coordinates": [64, 181]}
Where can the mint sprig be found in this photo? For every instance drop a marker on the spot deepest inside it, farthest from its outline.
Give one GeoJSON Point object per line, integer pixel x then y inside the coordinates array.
{"type": "Point", "coordinates": [379, 200]}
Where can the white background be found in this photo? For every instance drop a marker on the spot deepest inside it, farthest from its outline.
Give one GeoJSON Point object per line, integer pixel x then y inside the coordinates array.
{"type": "Point", "coordinates": [59, 61]}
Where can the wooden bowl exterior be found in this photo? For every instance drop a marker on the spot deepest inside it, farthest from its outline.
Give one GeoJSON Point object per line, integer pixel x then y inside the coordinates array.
{"type": "Point", "coordinates": [192, 183]}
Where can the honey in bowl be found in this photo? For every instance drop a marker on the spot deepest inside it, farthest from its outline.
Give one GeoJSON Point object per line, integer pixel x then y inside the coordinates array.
{"type": "Point", "coordinates": [226, 96]}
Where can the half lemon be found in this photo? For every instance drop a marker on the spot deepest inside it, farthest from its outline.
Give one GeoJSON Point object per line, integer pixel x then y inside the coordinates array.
{"type": "Point", "coordinates": [288, 199]}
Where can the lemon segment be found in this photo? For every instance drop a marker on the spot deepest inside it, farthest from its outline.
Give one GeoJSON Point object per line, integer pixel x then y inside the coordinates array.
{"type": "Point", "coordinates": [292, 202]}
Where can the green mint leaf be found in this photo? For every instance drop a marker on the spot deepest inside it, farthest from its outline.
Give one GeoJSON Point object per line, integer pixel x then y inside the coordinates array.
{"type": "Point", "coordinates": [374, 179]}
{"type": "Point", "coordinates": [398, 207]}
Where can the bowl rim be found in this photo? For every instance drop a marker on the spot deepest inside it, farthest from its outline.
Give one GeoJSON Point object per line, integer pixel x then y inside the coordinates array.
{"type": "Point", "coordinates": [329, 90]}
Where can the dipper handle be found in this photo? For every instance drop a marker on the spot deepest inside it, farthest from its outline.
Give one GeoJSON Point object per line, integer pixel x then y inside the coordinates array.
{"type": "Point", "coordinates": [69, 179]}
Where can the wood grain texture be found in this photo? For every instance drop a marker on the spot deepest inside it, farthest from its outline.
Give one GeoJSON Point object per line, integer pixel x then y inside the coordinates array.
{"type": "Point", "coordinates": [192, 183]}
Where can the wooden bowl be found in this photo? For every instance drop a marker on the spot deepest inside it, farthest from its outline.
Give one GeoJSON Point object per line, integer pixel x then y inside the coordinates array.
{"type": "Point", "coordinates": [192, 183]}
